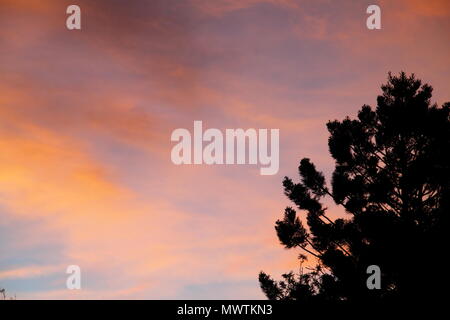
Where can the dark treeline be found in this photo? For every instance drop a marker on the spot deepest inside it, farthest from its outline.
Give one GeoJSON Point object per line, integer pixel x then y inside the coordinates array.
{"type": "Point", "coordinates": [392, 177]}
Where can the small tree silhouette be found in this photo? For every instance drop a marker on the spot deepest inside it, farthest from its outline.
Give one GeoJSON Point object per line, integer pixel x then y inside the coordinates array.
{"type": "Point", "coordinates": [392, 177]}
{"type": "Point", "coordinates": [3, 295]}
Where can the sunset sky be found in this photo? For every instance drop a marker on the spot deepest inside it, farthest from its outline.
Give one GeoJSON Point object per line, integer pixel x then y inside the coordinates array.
{"type": "Point", "coordinates": [86, 118]}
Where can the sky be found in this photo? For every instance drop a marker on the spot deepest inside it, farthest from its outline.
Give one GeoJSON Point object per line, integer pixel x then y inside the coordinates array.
{"type": "Point", "coordinates": [86, 118]}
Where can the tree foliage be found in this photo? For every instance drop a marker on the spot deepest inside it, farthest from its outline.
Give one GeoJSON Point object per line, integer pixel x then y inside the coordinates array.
{"type": "Point", "coordinates": [392, 177]}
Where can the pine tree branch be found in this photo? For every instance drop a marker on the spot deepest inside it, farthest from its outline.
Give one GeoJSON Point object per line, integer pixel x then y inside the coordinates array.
{"type": "Point", "coordinates": [310, 252]}
{"type": "Point", "coordinates": [336, 243]}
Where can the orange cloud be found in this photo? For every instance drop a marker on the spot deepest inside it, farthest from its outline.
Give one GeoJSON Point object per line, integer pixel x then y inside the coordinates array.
{"type": "Point", "coordinates": [29, 272]}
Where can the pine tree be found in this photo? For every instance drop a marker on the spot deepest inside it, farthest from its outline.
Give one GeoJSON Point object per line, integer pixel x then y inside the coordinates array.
{"type": "Point", "coordinates": [392, 177]}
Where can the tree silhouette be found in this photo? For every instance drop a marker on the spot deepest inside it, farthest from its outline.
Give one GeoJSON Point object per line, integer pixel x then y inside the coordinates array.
{"type": "Point", "coordinates": [392, 177]}
{"type": "Point", "coordinates": [3, 295]}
